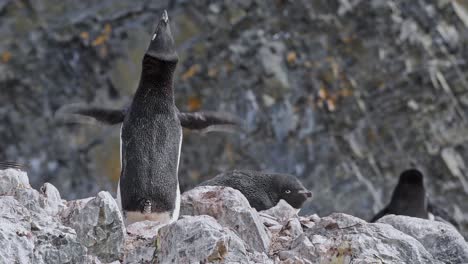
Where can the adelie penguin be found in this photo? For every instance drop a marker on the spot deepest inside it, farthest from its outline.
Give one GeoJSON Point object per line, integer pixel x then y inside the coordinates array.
{"type": "Point", "coordinates": [263, 190]}
{"type": "Point", "coordinates": [409, 198]}
{"type": "Point", "coordinates": [151, 135]}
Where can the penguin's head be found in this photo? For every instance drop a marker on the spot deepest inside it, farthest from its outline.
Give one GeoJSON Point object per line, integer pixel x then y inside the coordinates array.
{"type": "Point", "coordinates": [291, 190]}
{"type": "Point", "coordinates": [162, 45]}
{"type": "Point", "coordinates": [411, 177]}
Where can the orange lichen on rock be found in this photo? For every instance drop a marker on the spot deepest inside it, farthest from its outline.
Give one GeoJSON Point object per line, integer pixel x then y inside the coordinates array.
{"type": "Point", "coordinates": [84, 35]}
{"type": "Point", "coordinates": [107, 29]}
{"type": "Point", "coordinates": [212, 72]}
{"type": "Point", "coordinates": [330, 99]}
{"type": "Point", "coordinates": [291, 57]}
{"type": "Point", "coordinates": [6, 56]}
{"type": "Point", "coordinates": [99, 40]}
{"type": "Point", "coordinates": [194, 69]}
{"type": "Point", "coordinates": [102, 38]}
{"type": "Point", "coordinates": [194, 103]}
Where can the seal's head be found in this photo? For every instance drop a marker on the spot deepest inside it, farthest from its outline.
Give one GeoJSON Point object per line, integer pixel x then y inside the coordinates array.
{"type": "Point", "coordinates": [162, 45]}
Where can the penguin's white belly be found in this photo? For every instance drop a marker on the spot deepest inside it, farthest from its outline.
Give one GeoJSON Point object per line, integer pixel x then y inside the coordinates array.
{"type": "Point", "coordinates": [175, 214]}
{"type": "Point", "coordinates": [163, 217]}
{"type": "Point", "coordinates": [133, 217]}
{"type": "Point", "coordinates": [119, 198]}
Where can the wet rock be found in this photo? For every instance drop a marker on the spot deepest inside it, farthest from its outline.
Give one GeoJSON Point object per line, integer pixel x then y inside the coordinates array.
{"type": "Point", "coordinates": [441, 240]}
{"type": "Point", "coordinates": [231, 209]}
{"type": "Point", "coordinates": [198, 239]}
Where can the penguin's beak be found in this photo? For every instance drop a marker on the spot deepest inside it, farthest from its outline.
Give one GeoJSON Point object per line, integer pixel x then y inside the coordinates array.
{"type": "Point", "coordinates": [307, 193]}
{"type": "Point", "coordinates": [162, 44]}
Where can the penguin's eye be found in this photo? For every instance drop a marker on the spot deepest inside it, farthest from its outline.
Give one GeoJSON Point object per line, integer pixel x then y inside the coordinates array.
{"type": "Point", "coordinates": [287, 191]}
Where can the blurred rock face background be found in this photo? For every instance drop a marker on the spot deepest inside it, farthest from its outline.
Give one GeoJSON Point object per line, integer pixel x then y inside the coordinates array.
{"type": "Point", "coordinates": [343, 94]}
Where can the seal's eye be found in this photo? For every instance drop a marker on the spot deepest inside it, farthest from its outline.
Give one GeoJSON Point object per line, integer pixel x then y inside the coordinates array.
{"type": "Point", "coordinates": [287, 191]}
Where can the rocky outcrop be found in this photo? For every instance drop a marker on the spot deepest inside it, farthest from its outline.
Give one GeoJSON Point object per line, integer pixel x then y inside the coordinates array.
{"type": "Point", "coordinates": [333, 91]}
{"type": "Point", "coordinates": [442, 240]}
{"type": "Point", "coordinates": [217, 226]}
{"type": "Point", "coordinates": [231, 209]}
{"type": "Point", "coordinates": [28, 234]}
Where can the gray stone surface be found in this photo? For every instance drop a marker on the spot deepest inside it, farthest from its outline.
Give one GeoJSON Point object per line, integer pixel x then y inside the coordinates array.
{"type": "Point", "coordinates": [11, 180]}
{"type": "Point", "coordinates": [343, 94]}
{"type": "Point", "coordinates": [91, 231]}
{"type": "Point", "coordinates": [282, 211]}
{"type": "Point", "coordinates": [52, 201]}
{"type": "Point", "coordinates": [231, 209]}
{"type": "Point", "coordinates": [441, 240]}
{"type": "Point", "coordinates": [34, 237]}
{"type": "Point", "coordinates": [195, 239]}
{"type": "Point", "coordinates": [140, 242]}
{"type": "Point", "coordinates": [99, 226]}
{"type": "Point", "coordinates": [345, 238]}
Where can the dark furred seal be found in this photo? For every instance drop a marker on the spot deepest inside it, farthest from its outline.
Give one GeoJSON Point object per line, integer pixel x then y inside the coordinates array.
{"type": "Point", "coordinates": [263, 190]}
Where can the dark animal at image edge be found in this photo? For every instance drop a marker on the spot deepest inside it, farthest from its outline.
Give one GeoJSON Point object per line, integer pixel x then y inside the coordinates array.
{"type": "Point", "coordinates": [263, 190]}
{"type": "Point", "coordinates": [409, 198]}
{"type": "Point", "coordinates": [151, 135]}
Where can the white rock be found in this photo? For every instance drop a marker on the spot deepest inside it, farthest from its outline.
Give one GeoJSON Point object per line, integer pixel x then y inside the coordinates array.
{"type": "Point", "coordinates": [282, 212]}
{"type": "Point", "coordinates": [11, 180]}
{"type": "Point", "coordinates": [231, 209]}
{"type": "Point", "coordinates": [50, 199]}
{"type": "Point", "coordinates": [99, 226]}
{"type": "Point", "coordinates": [442, 240]}
{"type": "Point", "coordinates": [195, 239]}
{"type": "Point", "coordinates": [350, 237]}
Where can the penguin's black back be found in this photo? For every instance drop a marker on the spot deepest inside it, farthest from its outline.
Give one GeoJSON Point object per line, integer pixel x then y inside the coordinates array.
{"type": "Point", "coordinates": [151, 138]}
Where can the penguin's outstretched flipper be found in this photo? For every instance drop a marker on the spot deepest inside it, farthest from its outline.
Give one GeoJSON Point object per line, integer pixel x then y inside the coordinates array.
{"type": "Point", "coordinates": [88, 115]}
{"type": "Point", "coordinates": [210, 121]}
{"type": "Point", "coordinates": [379, 215]}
